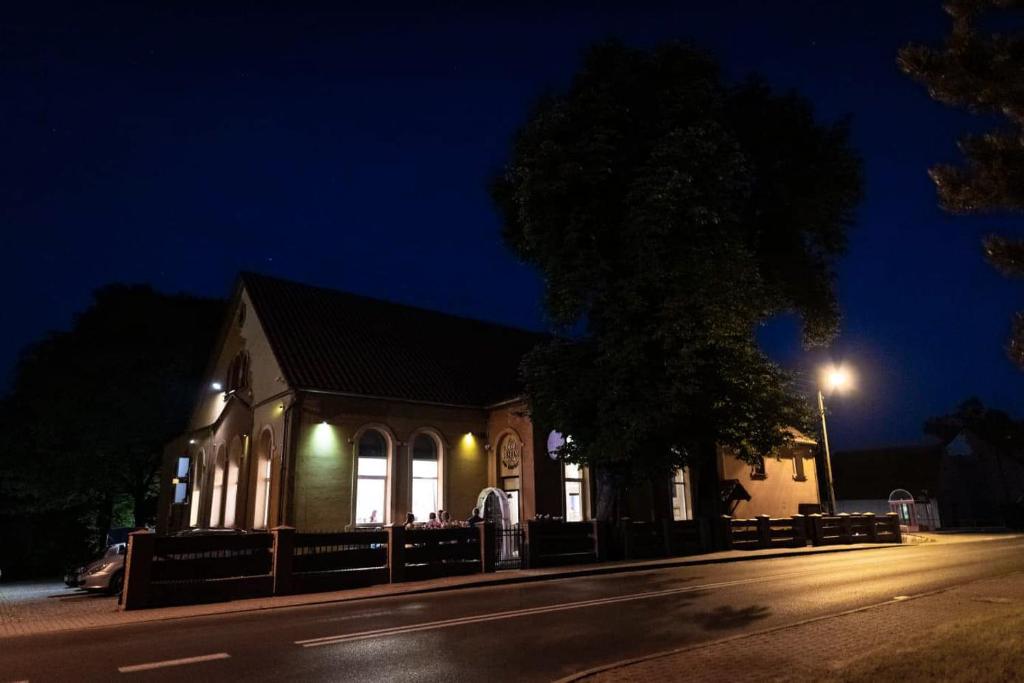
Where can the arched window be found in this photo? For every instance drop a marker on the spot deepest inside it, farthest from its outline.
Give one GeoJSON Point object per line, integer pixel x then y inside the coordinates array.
{"type": "Point", "coordinates": [371, 478]}
{"type": "Point", "coordinates": [217, 491]}
{"type": "Point", "coordinates": [426, 476]}
{"type": "Point", "coordinates": [261, 504]}
{"type": "Point", "coordinates": [197, 487]}
{"type": "Point", "coordinates": [238, 372]}
{"type": "Point", "coordinates": [231, 488]}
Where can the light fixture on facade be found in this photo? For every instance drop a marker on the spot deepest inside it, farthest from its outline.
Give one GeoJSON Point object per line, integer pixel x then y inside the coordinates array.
{"type": "Point", "coordinates": [192, 442]}
{"type": "Point", "coordinates": [216, 386]}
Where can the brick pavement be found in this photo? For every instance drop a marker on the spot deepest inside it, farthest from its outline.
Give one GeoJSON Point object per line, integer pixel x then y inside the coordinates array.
{"type": "Point", "coordinates": [820, 649]}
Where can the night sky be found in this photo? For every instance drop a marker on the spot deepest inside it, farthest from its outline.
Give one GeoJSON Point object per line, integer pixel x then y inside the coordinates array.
{"type": "Point", "coordinates": [352, 149]}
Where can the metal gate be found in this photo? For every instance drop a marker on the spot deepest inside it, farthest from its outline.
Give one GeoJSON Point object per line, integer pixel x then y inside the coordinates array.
{"type": "Point", "coordinates": [508, 551]}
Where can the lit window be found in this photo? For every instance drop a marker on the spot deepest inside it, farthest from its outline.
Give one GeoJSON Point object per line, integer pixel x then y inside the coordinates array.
{"type": "Point", "coordinates": [261, 506]}
{"type": "Point", "coordinates": [575, 493]}
{"type": "Point", "coordinates": [197, 483]}
{"type": "Point", "coordinates": [181, 480]}
{"type": "Point", "coordinates": [217, 494]}
{"type": "Point", "coordinates": [426, 491]}
{"type": "Point", "coordinates": [231, 489]}
{"type": "Point", "coordinates": [680, 496]}
{"type": "Point", "coordinates": [371, 478]}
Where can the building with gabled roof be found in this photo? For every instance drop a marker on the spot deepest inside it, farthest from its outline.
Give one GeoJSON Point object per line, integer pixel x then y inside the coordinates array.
{"type": "Point", "coordinates": [325, 410]}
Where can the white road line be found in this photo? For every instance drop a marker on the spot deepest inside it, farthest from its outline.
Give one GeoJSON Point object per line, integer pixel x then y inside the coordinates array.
{"type": "Point", "coordinates": [512, 614]}
{"type": "Point", "coordinates": [172, 662]}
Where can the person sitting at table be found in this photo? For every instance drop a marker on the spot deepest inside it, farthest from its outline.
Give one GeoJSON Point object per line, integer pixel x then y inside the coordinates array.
{"type": "Point", "coordinates": [433, 522]}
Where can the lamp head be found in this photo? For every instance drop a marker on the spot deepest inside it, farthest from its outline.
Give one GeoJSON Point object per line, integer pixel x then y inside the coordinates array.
{"type": "Point", "coordinates": [837, 378]}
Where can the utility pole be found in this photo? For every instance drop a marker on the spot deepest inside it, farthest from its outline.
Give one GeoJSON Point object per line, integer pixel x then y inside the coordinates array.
{"type": "Point", "coordinates": [828, 455]}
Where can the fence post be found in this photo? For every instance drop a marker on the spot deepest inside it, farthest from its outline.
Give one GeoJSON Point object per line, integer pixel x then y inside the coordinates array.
{"type": "Point", "coordinates": [138, 569]}
{"type": "Point", "coordinates": [871, 526]}
{"type": "Point", "coordinates": [487, 546]}
{"type": "Point", "coordinates": [894, 520]}
{"type": "Point", "coordinates": [799, 531]}
{"type": "Point", "coordinates": [815, 520]}
{"type": "Point", "coordinates": [396, 554]}
{"type": "Point", "coordinates": [284, 551]}
{"type": "Point", "coordinates": [532, 547]}
{"type": "Point", "coordinates": [725, 532]}
{"type": "Point", "coordinates": [703, 535]}
{"type": "Point", "coordinates": [668, 538]}
{"type": "Point", "coordinates": [845, 528]}
{"type": "Point", "coordinates": [764, 531]}
{"type": "Point", "coordinates": [626, 531]}
{"type": "Point", "coordinates": [600, 540]}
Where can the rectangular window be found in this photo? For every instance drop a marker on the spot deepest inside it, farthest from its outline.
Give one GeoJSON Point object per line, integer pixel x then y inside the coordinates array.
{"type": "Point", "coordinates": [575, 493]}
{"type": "Point", "coordinates": [680, 502]}
{"type": "Point", "coordinates": [757, 470]}
{"type": "Point", "coordinates": [370, 490]}
{"type": "Point", "coordinates": [180, 480]}
{"type": "Point", "coordinates": [798, 467]}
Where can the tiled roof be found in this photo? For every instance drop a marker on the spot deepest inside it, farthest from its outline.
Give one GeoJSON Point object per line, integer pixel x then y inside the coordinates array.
{"type": "Point", "coordinates": [874, 474]}
{"type": "Point", "coordinates": [329, 340]}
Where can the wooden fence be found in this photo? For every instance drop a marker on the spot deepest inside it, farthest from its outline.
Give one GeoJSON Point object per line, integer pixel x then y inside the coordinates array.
{"type": "Point", "coordinates": [796, 531]}
{"type": "Point", "coordinates": [177, 570]}
{"type": "Point", "coordinates": [174, 570]}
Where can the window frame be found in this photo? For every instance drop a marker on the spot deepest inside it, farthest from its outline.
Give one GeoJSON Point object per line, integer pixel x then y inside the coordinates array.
{"type": "Point", "coordinates": [385, 508]}
{"type": "Point", "coordinates": [439, 452]}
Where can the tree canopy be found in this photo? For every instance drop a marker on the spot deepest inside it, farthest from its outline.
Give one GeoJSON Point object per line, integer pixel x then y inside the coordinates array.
{"type": "Point", "coordinates": [670, 214]}
{"type": "Point", "coordinates": [91, 408]}
{"type": "Point", "coordinates": [981, 72]}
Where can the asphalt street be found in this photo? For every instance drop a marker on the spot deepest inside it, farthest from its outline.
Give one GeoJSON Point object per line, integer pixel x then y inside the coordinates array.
{"type": "Point", "coordinates": [527, 632]}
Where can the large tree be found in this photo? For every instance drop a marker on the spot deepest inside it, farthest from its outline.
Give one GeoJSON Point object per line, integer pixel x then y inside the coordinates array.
{"type": "Point", "coordinates": [670, 214]}
{"type": "Point", "coordinates": [982, 72]}
{"type": "Point", "coordinates": [92, 407]}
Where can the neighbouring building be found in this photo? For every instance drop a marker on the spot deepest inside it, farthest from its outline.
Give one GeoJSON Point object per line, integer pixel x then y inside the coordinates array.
{"type": "Point", "coordinates": [965, 482]}
{"type": "Point", "coordinates": [325, 410]}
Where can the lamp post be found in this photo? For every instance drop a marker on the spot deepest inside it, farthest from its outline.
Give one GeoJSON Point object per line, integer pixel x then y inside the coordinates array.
{"type": "Point", "coordinates": [836, 379]}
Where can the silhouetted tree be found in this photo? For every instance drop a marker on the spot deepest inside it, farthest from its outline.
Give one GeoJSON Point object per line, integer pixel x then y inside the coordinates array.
{"type": "Point", "coordinates": [995, 426]}
{"type": "Point", "coordinates": [92, 407]}
{"type": "Point", "coordinates": [670, 215]}
{"type": "Point", "coordinates": [982, 73]}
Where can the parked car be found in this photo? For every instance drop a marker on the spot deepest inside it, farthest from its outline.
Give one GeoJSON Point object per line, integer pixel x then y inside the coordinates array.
{"type": "Point", "coordinates": [105, 574]}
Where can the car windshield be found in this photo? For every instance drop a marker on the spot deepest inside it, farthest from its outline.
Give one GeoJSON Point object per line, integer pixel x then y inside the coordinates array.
{"type": "Point", "coordinates": [113, 550]}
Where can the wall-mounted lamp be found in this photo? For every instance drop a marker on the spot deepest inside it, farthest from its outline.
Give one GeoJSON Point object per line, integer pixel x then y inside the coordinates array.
{"type": "Point", "coordinates": [216, 386]}
{"type": "Point", "coordinates": [192, 442]}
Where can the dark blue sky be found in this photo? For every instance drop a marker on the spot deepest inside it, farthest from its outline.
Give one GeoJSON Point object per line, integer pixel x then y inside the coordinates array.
{"type": "Point", "coordinates": [351, 148]}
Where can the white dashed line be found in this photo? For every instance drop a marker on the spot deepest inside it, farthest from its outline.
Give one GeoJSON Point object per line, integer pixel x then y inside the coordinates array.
{"type": "Point", "coordinates": [172, 662]}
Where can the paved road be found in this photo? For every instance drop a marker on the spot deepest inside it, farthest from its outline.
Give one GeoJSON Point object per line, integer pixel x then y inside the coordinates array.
{"type": "Point", "coordinates": [527, 632]}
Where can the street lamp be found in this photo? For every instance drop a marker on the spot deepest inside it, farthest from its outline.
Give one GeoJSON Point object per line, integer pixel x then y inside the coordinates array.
{"type": "Point", "coordinates": [835, 378]}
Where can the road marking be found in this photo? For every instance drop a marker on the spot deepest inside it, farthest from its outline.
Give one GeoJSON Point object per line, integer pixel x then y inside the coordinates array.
{"type": "Point", "coordinates": [529, 611]}
{"type": "Point", "coordinates": [172, 662]}
{"type": "Point", "coordinates": [901, 597]}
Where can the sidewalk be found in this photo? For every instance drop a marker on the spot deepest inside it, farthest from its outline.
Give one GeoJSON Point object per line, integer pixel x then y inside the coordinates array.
{"type": "Point", "coordinates": [968, 633]}
{"type": "Point", "coordinates": [29, 608]}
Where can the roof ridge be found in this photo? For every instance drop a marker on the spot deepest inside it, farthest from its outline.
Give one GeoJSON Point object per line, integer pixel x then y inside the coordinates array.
{"type": "Point", "coordinates": [249, 274]}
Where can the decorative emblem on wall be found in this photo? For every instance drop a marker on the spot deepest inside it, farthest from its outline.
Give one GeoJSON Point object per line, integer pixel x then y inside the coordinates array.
{"type": "Point", "coordinates": [511, 452]}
